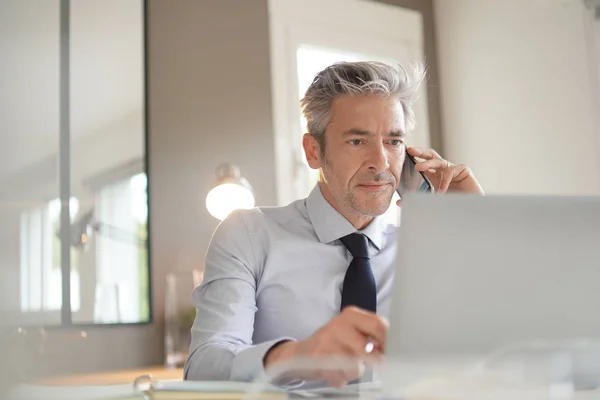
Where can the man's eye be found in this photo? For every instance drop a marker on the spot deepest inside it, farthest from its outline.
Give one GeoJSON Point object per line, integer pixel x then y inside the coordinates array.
{"type": "Point", "coordinates": [396, 142]}
{"type": "Point", "coordinates": [356, 142]}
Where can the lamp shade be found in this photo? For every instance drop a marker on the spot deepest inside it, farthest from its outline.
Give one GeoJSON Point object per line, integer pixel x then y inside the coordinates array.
{"type": "Point", "coordinates": [231, 192]}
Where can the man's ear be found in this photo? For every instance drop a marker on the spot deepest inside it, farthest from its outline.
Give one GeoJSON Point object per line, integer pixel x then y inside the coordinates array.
{"type": "Point", "coordinates": [312, 151]}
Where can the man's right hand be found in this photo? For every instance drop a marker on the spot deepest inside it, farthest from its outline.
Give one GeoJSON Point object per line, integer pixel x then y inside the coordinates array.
{"type": "Point", "coordinates": [354, 334]}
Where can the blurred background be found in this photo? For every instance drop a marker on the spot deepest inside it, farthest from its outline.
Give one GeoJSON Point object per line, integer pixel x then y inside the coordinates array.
{"type": "Point", "coordinates": [119, 117]}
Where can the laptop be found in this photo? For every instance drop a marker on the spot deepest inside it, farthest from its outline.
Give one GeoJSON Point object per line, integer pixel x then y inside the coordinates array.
{"type": "Point", "coordinates": [480, 278]}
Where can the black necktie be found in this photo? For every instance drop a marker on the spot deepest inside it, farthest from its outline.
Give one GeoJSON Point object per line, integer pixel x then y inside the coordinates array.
{"type": "Point", "coordinates": [359, 287]}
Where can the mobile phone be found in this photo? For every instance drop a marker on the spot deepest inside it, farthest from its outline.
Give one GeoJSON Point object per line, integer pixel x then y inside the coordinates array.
{"type": "Point", "coordinates": [412, 180]}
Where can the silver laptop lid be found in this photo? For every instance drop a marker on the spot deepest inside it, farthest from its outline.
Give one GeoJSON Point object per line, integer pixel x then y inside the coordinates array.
{"type": "Point", "coordinates": [477, 273]}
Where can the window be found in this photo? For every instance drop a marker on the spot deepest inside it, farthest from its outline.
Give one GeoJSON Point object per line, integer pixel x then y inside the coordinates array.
{"type": "Point", "coordinates": [112, 252]}
{"type": "Point", "coordinates": [121, 253]}
{"type": "Point", "coordinates": [85, 152]}
{"type": "Point", "coordinates": [40, 263]}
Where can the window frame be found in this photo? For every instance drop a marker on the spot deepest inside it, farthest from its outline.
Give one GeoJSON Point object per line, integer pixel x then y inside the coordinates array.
{"type": "Point", "coordinates": [38, 319]}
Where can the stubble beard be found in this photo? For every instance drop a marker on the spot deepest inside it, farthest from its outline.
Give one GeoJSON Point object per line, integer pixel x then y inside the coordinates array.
{"type": "Point", "coordinates": [347, 199]}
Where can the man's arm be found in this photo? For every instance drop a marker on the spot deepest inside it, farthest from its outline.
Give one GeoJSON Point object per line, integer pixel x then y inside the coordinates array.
{"type": "Point", "coordinates": [225, 302]}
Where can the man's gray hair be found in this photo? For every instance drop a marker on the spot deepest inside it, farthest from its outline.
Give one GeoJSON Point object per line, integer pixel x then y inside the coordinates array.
{"type": "Point", "coordinates": [355, 79]}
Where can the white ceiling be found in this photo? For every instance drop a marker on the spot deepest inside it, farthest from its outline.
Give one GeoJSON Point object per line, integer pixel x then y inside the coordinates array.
{"type": "Point", "coordinates": [106, 76]}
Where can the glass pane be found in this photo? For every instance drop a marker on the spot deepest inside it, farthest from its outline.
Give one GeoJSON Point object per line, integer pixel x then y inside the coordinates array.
{"type": "Point", "coordinates": [110, 264]}
{"type": "Point", "coordinates": [30, 282]}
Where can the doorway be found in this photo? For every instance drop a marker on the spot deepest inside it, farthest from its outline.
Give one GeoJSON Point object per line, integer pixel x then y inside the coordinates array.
{"type": "Point", "coordinates": [307, 36]}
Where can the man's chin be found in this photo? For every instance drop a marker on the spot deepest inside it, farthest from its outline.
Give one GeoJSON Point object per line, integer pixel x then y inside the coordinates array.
{"type": "Point", "coordinates": [369, 204]}
{"type": "Point", "coordinates": [374, 210]}
{"type": "Point", "coordinates": [377, 203]}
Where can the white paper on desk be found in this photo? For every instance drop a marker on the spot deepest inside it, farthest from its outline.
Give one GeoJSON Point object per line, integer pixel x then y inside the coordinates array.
{"type": "Point", "coordinates": [210, 386]}
{"type": "Point", "coordinates": [351, 390]}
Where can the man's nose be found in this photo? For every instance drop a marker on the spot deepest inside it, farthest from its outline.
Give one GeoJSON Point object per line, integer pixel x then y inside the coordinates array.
{"type": "Point", "coordinates": [378, 160]}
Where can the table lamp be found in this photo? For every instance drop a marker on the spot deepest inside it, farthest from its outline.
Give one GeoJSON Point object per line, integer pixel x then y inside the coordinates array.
{"type": "Point", "coordinates": [231, 192]}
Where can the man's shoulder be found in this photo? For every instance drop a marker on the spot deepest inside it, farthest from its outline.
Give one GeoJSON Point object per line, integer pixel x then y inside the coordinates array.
{"type": "Point", "coordinates": [249, 231]}
{"type": "Point", "coordinates": [263, 216]}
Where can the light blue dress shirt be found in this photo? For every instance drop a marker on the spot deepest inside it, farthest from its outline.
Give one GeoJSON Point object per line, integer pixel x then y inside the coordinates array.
{"type": "Point", "coordinates": [275, 273]}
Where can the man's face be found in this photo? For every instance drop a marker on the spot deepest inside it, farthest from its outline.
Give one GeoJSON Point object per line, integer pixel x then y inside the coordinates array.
{"type": "Point", "coordinates": [364, 153]}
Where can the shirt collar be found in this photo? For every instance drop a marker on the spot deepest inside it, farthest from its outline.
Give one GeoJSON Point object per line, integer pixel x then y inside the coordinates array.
{"type": "Point", "coordinates": [330, 225]}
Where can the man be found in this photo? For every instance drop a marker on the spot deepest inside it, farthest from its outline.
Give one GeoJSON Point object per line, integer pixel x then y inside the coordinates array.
{"type": "Point", "coordinates": [313, 278]}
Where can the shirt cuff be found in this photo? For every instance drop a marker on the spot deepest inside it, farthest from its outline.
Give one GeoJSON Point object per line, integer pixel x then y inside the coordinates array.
{"type": "Point", "coordinates": [248, 363]}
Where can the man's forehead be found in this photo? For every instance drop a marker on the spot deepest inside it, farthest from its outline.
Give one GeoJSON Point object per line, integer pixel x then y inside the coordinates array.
{"type": "Point", "coordinates": [368, 113]}
{"type": "Point", "coordinates": [368, 105]}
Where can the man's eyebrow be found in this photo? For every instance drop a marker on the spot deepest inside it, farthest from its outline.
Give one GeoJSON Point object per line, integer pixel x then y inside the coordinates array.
{"type": "Point", "coordinates": [358, 132]}
{"type": "Point", "coordinates": [398, 133]}
{"type": "Point", "coordinates": [363, 132]}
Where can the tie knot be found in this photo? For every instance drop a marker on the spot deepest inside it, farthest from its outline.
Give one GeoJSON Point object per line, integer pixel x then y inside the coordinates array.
{"type": "Point", "coordinates": [357, 245]}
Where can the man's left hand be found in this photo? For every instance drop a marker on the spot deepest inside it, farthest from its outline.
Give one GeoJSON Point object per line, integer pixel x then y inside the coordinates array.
{"type": "Point", "coordinates": [444, 175]}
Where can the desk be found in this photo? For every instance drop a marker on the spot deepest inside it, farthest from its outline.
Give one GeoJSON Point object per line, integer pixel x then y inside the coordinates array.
{"type": "Point", "coordinates": [119, 377]}
{"type": "Point", "coordinates": [421, 391]}
{"type": "Point", "coordinates": [74, 387]}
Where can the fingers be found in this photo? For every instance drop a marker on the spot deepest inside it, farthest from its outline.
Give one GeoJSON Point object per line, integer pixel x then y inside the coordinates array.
{"type": "Point", "coordinates": [335, 378]}
{"type": "Point", "coordinates": [447, 175]}
{"type": "Point", "coordinates": [353, 341]}
{"type": "Point", "coordinates": [340, 377]}
{"type": "Point", "coordinates": [426, 154]}
{"type": "Point", "coordinates": [368, 324]}
{"type": "Point", "coordinates": [345, 338]}
{"type": "Point", "coordinates": [444, 175]}
{"type": "Point", "coordinates": [440, 171]}
{"type": "Point", "coordinates": [432, 164]}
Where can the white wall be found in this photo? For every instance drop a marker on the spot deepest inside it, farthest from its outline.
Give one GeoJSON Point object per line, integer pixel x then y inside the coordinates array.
{"type": "Point", "coordinates": [517, 94]}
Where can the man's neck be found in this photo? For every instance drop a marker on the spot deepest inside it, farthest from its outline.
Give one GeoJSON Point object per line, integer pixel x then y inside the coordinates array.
{"type": "Point", "coordinates": [357, 220]}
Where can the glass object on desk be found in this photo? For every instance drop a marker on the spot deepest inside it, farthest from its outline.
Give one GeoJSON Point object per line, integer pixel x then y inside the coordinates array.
{"type": "Point", "coordinates": [320, 377]}
{"type": "Point", "coordinates": [179, 315]}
